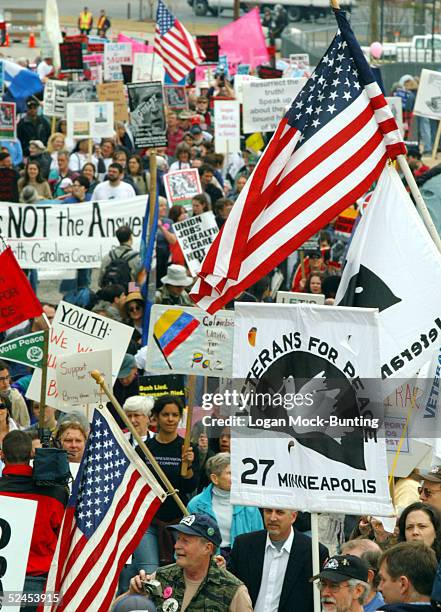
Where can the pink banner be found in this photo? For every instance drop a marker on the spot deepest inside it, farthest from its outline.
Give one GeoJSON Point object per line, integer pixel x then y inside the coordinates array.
{"type": "Point", "coordinates": [201, 72]}
{"type": "Point", "coordinates": [243, 41]}
{"type": "Point", "coordinates": [137, 47]}
{"type": "Point", "coordinates": [95, 58]}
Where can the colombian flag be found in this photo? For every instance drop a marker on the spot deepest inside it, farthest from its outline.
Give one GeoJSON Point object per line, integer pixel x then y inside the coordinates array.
{"type": "Point", "coordinates": [172, 328]}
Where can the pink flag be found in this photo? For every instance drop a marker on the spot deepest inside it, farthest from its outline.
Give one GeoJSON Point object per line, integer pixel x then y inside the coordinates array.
{"type": "Point", "coordinates": [243, 42]}
{"type": "Point", "coordinates": [137, 47]}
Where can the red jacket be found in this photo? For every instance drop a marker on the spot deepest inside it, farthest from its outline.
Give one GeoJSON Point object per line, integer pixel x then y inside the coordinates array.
{"type": "Point", "coordinates": [16, 481]}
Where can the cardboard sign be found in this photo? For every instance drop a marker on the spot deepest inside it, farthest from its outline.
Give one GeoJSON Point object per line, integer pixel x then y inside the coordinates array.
{"type": "Point", "coordinates": [76, 330]}
{"type": "Point", "coordinates": [75, 385]}
{"type": "Point", "coordinates": [163, 384]}
{"type": "Point", "coordinates": [175, 97]}
{"type": "Point", "coordinates": [188, 341]}
{"type": "Point", "coordinates": [90, 120]}
{"type": "Point", "coordinates": [428, 100]}
{"type": "Point", "coordinates": [7, 121]}
{"type": "Point", "coordinates": [147, 67]}
{"type": "Point", "coordinates": [210, 46]}
{"type": "Point", "coordinates": [265, 103]}
{"type": "Point", "coordinates": [293, 297]}
{"type": "Point", "coordinates": [114, 92]}
{"type": "Point", "coordinates": [55, 96]}
{"type": "Point", "coordinates": [181, 187]}
{"type": "Point", "coordinates": [195, 236]}
{"type": "Point", "coordinates": [17, 517]}
{"type": "Point", "coordinates": [116, 54]}
{"type": "Point", "coordinates": [147, 117]}
{"type": "Point", "coordinates": [227, 126]}
{"type": "Point", "coordinates": [71, 56]}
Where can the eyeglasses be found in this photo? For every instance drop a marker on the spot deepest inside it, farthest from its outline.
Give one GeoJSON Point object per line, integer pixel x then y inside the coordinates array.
{"type": "Point", "coordinates": [334, 587]}
{"type": "Point", "coordinates": [422, 490]}
{"type": "Point", "coordinates": [4, 378]}
{"type": "Point", "coordinates": [134, 308]}
{"type": "Point", "coordinates": [3, 407]}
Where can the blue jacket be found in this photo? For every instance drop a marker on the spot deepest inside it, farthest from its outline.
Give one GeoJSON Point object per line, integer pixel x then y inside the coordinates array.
{"type": "Point", "coordinates": [245, 518]}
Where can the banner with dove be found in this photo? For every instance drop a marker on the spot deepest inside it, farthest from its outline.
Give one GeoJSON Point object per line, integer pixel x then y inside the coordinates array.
{"type": "Point", "coordinates": [308, 427]}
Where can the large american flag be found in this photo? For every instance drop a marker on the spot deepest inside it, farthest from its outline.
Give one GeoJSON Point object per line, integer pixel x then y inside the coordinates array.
{"type": "Point", "coordinates": [175, 45]}
{"type": "Point", "coordinates": [114, 498]}
{"type": "Point", "coordinates": [327, 151]}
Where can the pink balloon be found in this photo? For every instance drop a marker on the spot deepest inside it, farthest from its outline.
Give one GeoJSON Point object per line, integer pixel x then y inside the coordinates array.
{"type": "Point", "coordinates": [376, 50]}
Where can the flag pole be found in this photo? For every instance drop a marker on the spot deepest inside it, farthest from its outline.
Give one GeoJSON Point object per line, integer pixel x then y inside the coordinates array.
{"type": "Point", "coordinates": [420, 203]}
{"type": "Point", "coordinates": [99, 379]}
{"type": "Point", "coordinates": [315, 558]}
{"type": "Point", "coordinates": [191, 393]}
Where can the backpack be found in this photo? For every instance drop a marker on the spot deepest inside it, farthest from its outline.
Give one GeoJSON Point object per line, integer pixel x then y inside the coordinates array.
{"type": "Point", "coordinates": [117, 271]}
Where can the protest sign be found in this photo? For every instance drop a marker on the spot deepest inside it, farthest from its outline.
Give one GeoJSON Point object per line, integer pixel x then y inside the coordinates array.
{"type": "Point", "coordinates": [93, 58]}
{"type": "Point", "coordinates": [75, 385]}
{"type": "Point", "coordinates": [210, 46]}
{"type": "Point", "coordinates": [137, 46]}
{"type": "Point", "coordinates": [188, 341]}
{"type": "Point", "coordinates": [255, 142]}
{"type": "Point", "coordinates": [268, 72]}
{"type": "Point", "coordinates": [116, 54]}
{"type": "Point", "coordinates": [90, 120]}
{"type": "Point", "coordinates": [175, 97]}
{"type": "Point", "coordinates": [68, 236]}
{"type": "Point", "coordinates": [76, 330]}
{"type": "Point", "coordinates": [181, 186]}
{"type": "Point", "coordinates": [162, 384]}
{"type": "Point", "coordinates": [114, 92]}
{"type": "Point", "coordinates": [300, 60]}
{"type": "Point", "coordinates": [243, 69]}
{"type": "Point", "coordinates": [227, 126]}
{"type": "Point", "coordinates": [292, 297]}
{"type": "Point", "coordinates": [7, 121]}
{"type": "Point", "coordinates": [204, 73]}
{"type": "Point", "coordinates": [147, 67]}
{"type": "Point", "coordinates": [428, 99]}
{"type": "Point", "coordinates": [223, 65]}
{"type": "Point", "coordinates": [308, 430]}
{"type": "Point", "coordinates": [81, 91]}
{"type": "Point", "coordinates": [147, 117]}
{"type": "Point", "coordinates": [243, 40]}
{"type": "Point", "coordinates": [17, 516]}
{"type": "Point", "coordinates": [239, 81]}
{"type": "Point", "coordinates": [27, 349]}
{"type": "Point", "coordinates": [396, 106]}
{"type": "Point", "coordinates": [195, 235]}
{"type": "Point", "coordinates": [71, 56]}
{"type": "Point", "coordinates": [54, 100]}
{"type": "Point", "coordinates": [265, 102]}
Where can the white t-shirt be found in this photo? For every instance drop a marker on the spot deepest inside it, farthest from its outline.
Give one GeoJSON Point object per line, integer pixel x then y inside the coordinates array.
{"type": "Point", "coordinates": [106, 191]}
{"type": "Point", "coordinates": [44, 70]}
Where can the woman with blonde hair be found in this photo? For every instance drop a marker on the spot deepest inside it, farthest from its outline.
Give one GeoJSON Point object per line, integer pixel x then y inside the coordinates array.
{"type": "Point", "coordinates": [55, 144]}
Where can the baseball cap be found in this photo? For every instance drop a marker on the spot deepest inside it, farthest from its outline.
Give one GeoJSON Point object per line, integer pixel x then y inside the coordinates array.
{"type": "Point", "coordinates": [199, 524]}
{"type": "Point", "coordinates": [195, 129]}
{"type": "Point", "coordinates": [342, 567]}
{"type": "Point", "coordinates": [128, 363]}
{"type": "Point", "coordinates": [432, 475]}
{"type": "Point", "coordinates": [134, 603]}
{"type": "Point", "coordinates": [32, 101]}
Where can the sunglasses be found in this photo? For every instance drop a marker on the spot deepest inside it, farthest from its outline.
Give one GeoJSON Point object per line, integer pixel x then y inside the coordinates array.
{"type": "Point", "coordinates": [3, 407]}
{"type": "Point", "coordinates": [427, 492]}
{"type": "Point", "coordinates": [134, 308]}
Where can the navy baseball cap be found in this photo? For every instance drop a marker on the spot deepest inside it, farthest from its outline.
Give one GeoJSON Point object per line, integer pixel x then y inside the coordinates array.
{"type": "Point", "coordinates": [199, 524]}
{"type": "Point", "coordinates": [343, 567]}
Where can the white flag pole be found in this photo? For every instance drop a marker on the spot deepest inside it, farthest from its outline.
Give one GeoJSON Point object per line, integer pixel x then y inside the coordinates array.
{"type": "Point", "coordinates": [315, 558]}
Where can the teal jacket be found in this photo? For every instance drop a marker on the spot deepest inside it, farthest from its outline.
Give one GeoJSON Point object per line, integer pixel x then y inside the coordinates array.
{"type": "Point", "coordinates": [245, 518]}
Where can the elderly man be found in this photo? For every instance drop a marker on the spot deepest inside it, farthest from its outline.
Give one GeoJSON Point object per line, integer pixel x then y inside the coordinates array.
{"type": "Point", "coordinates": [198, 583]}
{"type": "Point", "coordinates": [430, 491]}
{"type": "Point", "coordinates": [407, 572]}
{"type": "Point", "coordinates": [370, 552]}
{"type": "Point", "coordinates": [343, 584]}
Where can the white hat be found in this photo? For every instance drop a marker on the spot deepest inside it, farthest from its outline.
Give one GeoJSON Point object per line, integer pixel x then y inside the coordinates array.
{"type": "Point", "coordinates": [66, 182]}
{"type": "Point", "coordinates": [176, 276]}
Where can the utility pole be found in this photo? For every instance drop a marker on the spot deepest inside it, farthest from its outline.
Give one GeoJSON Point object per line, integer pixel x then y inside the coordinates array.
{"type": "Point", "coordinates": [374, 20]}
{"type": "Point", "coordinates": [236, 9]}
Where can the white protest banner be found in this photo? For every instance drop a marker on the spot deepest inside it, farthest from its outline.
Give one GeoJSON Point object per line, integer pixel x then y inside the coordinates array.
{"type": "Point", "coordinates": [181, 186]}
{"type": "Point", "coordinates": [428, 99]}
{"type": "Point", "coordinates": [293, 297]}
{"type": "Point", "coordinates": [68, 236]}
{"type": "Point", "coordinates": [75, 384]}
{"type": "Point", "coordinates": [396, 106]}
{"type": "Point", "coordinates": [147, 67]}
{"type": "Point", "coordinates": [17, 518]}
{"type": "Point", "coordinates": [188, 341]}
{"type": "Point", "coordinates": [76, 330]}
{"type": "Point", "coordinates": [195, 236]}
{"type": "Point", "coordinates": [266, 101]}
{"type": "Point", "coordinates": [239, 80]}
{"type": "Point", "coordinates": [307, 428]}
{"type": "Point", "coordinates": [54, 100]}
{"type": "Point", "coordinates": [90, 120]}
{"type": "Point", "coordinates": [116, 54]}
{"type": "Point", "coordinates": [227, 126]}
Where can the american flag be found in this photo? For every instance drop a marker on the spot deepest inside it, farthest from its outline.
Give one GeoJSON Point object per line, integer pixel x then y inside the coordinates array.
{"type": "Point", "coordinates": [114, 498]}
{"type": "Point", "coordinates": [327, 151]}
{"type": "Point", "coordinates": [175, 45]}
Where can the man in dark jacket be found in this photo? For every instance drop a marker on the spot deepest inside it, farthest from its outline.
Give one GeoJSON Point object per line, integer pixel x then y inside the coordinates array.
{"type": "Point", "coordinates": [32, 126]}
{"type": "Point", "coordinates": [17, 481]}
{"type": "Point", "coordinates": [276, 565]}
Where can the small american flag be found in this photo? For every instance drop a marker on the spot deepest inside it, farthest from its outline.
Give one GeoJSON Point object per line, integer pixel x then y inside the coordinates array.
{"type": "Point", "coordinates": [327, 151]}
{"type": "Point", "coordinates": [175, 45]}
{"type": "Point", "coordinates": [114, 498]}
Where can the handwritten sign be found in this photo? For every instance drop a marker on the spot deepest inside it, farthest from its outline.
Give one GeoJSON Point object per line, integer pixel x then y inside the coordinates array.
{"type": "Point", "coordinates": [195, 236]}
{"type": "Point", "coordinates": [210, 46]}
{"type": "Point", "coordinates": [227, 126]}
{"type": "Point", "coordinates": [114, 92]}
{"type": "Point", "coordinates": [74, 382]}
{"type": "Point", "coordinates": [54, 101]}
{"type": "Point", "coordinates": [71, 55]}
{"type": "Point", "coordinates": [292, 297]}
{"type": "Point", "coordinates": [116, 54]}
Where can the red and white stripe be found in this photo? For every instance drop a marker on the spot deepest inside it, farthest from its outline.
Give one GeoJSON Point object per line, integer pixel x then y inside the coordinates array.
{"type": "Point", "coordinates": [179, 52]}
{"type": "Point", "coordinates": [293, 194]}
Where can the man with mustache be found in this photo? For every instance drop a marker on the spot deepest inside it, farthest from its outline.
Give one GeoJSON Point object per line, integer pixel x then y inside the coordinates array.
{"type": "Point", "coordinates": [343, 584]}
